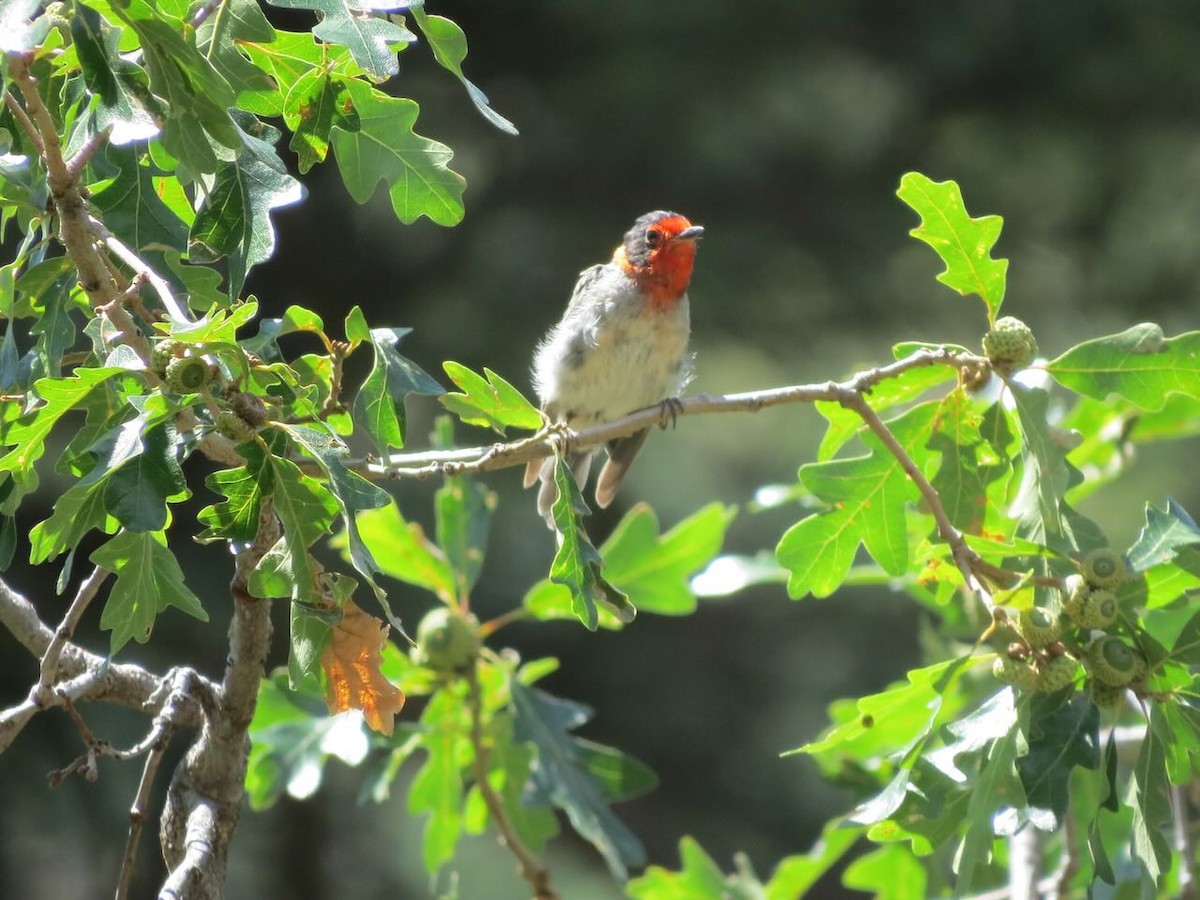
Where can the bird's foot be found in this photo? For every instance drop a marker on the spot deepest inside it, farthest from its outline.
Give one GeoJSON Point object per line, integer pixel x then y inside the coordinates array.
{"type": "Point", "coordinates": [668, 412]}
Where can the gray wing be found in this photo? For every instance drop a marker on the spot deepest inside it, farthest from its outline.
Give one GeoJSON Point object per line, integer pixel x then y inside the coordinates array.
{"type": "Point", "coordinates": [587, 278]}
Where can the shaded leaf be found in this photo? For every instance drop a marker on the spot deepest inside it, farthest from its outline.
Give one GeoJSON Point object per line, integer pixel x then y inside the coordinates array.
{"type": "Point", "coordinates": [450, 49]}
{"type": "Point", "coordinates": [148, 581]}
{"type": "Point", "coordinates": [235, 222]}
{"type": "Point", "coordinates": [379, 406]}
{"type": "Point", "coordinates": [291, 740]}
{"type": "Point", "coordinates": [138, 492]}
{"type": "Point", "coordinates": [1061, 737]}
{"type": "Point", "coordinates": [562, 777]}
{"type": "Point", "coordinates": [464, 508]}
{"type": "Point", "coordinates": [1148, 794]}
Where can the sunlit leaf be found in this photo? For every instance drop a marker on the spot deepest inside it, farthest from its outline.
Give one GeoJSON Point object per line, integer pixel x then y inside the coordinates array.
{"type": "Point", "coordinates": [964, 244]}
{"type": "Point", "coordinates": [1139, 364]}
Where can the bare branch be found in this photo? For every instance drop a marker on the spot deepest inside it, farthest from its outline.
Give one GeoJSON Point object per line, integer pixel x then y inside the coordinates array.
{"type": "Point", "coordinates": [83, 675]}
{"type": "Point", "coordinates": [66, 629]}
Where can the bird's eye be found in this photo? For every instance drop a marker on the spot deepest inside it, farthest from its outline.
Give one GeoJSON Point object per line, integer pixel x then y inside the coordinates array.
{"type": "Point", "coordinates": [653, 237]}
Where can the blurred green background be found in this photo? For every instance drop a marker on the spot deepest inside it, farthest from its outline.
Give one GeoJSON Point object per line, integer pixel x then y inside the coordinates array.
{"type": "Point", "coordinates": [784, 130]}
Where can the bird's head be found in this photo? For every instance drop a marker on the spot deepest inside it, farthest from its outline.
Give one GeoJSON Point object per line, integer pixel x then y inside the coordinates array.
{"type": "Point", "coordinates": [659, 251]}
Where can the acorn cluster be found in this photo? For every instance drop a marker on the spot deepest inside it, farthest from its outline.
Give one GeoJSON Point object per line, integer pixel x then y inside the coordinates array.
{"type": "Point", "coordinates": [183, 371]}
{"type": "Point", "coordinates": [1053, 645]}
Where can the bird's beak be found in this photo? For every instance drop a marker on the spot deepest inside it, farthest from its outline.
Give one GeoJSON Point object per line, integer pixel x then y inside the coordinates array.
{"type": "Point", "coordinates": [691, 233]}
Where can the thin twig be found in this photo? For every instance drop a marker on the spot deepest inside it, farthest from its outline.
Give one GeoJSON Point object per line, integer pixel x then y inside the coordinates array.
{"type": "Point", "coordinates": [25, 122]}
{"type": "Point", "coordinates": [76, 163]}
{"type": "Point", "coordinates": [48, 674]}
{"type": "Point", "coordinates": [964, 557]}
{"type": "Point", "coordinates": [128, 256]}
{"type": "Point", "coordinates": [532, 869]}
{"type": "Point", "coordinates": [138, 814]}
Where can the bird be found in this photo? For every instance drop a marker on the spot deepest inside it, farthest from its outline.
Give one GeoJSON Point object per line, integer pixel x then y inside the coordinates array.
{"type": "Point", "coordinates": [621, 346]}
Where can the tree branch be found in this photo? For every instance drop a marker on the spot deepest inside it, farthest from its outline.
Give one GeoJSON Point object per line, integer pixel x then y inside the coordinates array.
{"type": "Point", "coordinates": [474, 460]}
{"type": "Point", "coordinates": [204, 800]}
{"type": "Point", "coordinates": [83, 675]}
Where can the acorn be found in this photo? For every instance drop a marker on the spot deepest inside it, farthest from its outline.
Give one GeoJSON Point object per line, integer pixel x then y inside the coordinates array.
{"type": "Point", "coordinates": [1075, 594]}
{"type": "Point", "coordinates": [1055, 674]}
{"type": "Point", "coordinates": [234, 427]}
{"type": "Point", "coordinates": [1038, 626]}
{"type": "Point", "coordinates": [1010, 344]}
{"type": "Point", "coordinates": [447, 641]}
{"type": "Point", "coordinates": [1106, 696]}
{"type": "Point", "coordinates": [1015, 672]}
{"type": "Point", "coordinates": [163, 353]}
{"type": "Point", "coordinates": [1115, 663]}
{"type": "Point", "coordinates": [1103, 568]}
{"type": "Point", "coordinates": [187, 375]}
{"type": "Point", "coordinates": [1099, 610]}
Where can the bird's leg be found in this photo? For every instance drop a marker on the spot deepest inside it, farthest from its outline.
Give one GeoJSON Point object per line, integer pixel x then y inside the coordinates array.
{"type": "Point", "coordinates": [668, 412]}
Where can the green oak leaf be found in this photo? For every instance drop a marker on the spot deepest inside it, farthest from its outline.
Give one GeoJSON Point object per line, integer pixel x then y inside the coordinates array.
{"type": "Point", "coordinates": [132, 208]}
{"type": "Point", "coordinates": [1044, 514]}
{"type": "Point", "coordinates": [654, 569]}
{"type": "Point", "coordinates": [197, 96]}
{"type": "Point", "coordinates": [1139, 364]}
{"type": "Point", "coordinates": [27, 434]}
{"type": "Point", "coordinates": [379, 406]}
{"type": "Point", "coordinates": [1165, 533]}
{"type": "Point", "coordinates": [148, 581]}
{"type": "Point", "coordinates": [220, 38]}
{"type": "Point", "coordinates": [354, 494]}
{"type": "Point", "coordinates": [437, 788]}
{"type": "Point", "coordinates": [994, 787]}
{"type": "Point", "coordinates": [235, 220]}
{"type": "Point", "coordinates": [577, 565]}
{"type": "Point", "coordinates": [971, 462]}
{"type": "Point", "coordinates": [698, 878]}
{"type": "Point", "coordinates": [1061, 737]}
{"type": "Point", "coordinates": [891, 872]}
{"type": "Point", "coordinates": [137, 493]}
{"type": "Point", "coordinates": [107, 76]}
{"type": "Point", "coordinates": [562, 777]}
{"type": "Point", "coordinates": [236, 517]}
{"type": "Point", "coordinates": [1148, 795]}
{"type": "Point", "coordinates": [385, 148]}
{"type": "Point", "coordinates": [403, 552]}
{"type": "Point", "coordinates": [291, 739]}
{"type": "Point", "coordinates": [651, 569]}
{"type": "Point", "coordinates": [372, 40]}
{"type": "Point", "coordinates": [313, 106]}
{"type": "Point", "coordinates": [463, 509]}
{"type": "Point", "coordinates": [867, 496]}
{"type": "Point", "coordinates": [906, 387]}
{"type": "Point", "coordinates": [449, 45]}
{"type": "Point", "coordinates": [964, 243]}
{"type": "Point", "coordinates": [55, 331]}
{"type": "Point", "coordinates": [488, 400]}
